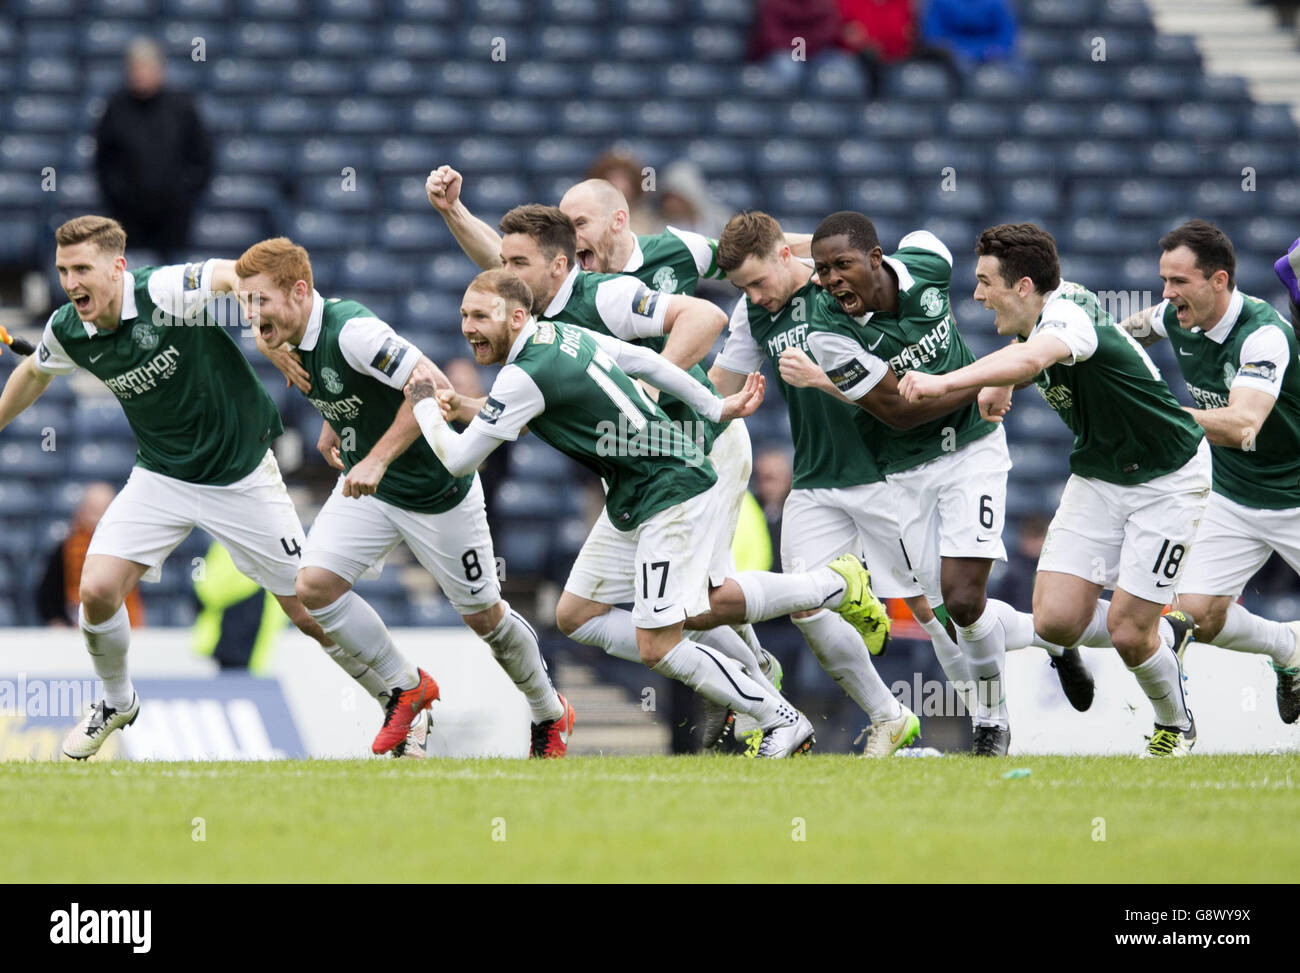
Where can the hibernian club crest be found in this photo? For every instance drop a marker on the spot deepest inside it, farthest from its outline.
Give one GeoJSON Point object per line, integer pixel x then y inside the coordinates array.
{"type": "Point", "coordinates": [1229, 373]}
{"type": "Point", "coordinates": [665, 280]}
{"type": "Point", "coordinates": [145, 335]}
{"type": "Point", "coordinates": [932, 302]}
{"type": "Point", "coordinates": [333, 384]}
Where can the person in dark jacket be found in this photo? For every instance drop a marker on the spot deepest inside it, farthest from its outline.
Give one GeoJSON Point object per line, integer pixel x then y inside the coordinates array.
{"type": "Point", "coordinates": [153, 157]}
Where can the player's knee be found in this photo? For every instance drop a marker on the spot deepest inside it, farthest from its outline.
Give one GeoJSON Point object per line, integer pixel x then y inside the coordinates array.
{"type": "Point", "coordinates": [100, 598]}
{"type": "Point", "coordinates": [312, 591]}
{"type": "Point", "coordinates": [1210, 615]}
{"type": "Point", "coordinates": [1131, 640]}
{"type": "Point", "coordinates": [483, 623]}
{"type": "Point", "coordinates": [920, 609]}
{"type": "Point", "coordinates": [1058, 628]}
{"type": "Point", "coordinates": [965, 604]}
{"type": "Point", "coordinates": [572, 615]}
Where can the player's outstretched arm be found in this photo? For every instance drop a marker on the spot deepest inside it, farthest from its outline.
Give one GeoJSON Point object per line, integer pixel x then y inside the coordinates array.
{"type": "Point", "coordinates": [480, 242]}
{"type": "Point", "coordinates": [1237, 424]}
{"type": "Point", "coordinates": [224, 279]}
{"type": "Point", "coordinates": [460, 453]}
{"type": "Point", "coordinates": [24, 386]}
{"type": "Point", "coordinates": [801, 372]}
{"type": "Point", "coordinates": [886, 404]}
{"type": "Point", "coordinates": [800, 244]}
{"type": "Point", "coordinates": [1142, 326]}
{"type": "Point", "coordinates": [656, 370]}
{"type": "Point", "coordinates": [287, 361]}
{"type": "Point", "coordinates": [725, 380]}
{"type": "Point", "coordinates": [692, 325]}
{"type": "Point", "coordinates": [363, 479]}
{"type": "Point", "coordinates": [1008, 366]}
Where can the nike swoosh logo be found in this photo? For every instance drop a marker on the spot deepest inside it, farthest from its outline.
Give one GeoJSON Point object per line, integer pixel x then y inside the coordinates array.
{"type": "Point", "coordinates": [1185, 354]}
{"type": "Point", "coordinates": [1165, 584]}
{"type": "Point", "coordinates": [872, 347]}
{"type": "Point", "coordinates": [474, 591]}
{"type": "Point", "coordinates": [95, 358]}
{"type": "Point", "coordinates": [664, 609]}
{"type": "Point", "coordinates": [983, 540]}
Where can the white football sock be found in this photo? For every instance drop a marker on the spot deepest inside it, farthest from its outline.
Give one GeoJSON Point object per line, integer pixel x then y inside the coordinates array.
{"type": "Point", "coordinates": [1163, 683]}
{"type": "Point", "coordinates": [726, 640]}
{"type": "Point", "coordinates": [769, 595]}
{"type": "Point", "coordinates": [358, 670]}
{"type": "Point", "coordinates": [1097, 635]}
{"type": "Point", "coordinates": [514, 644]}
{"type": "Point", "coordinates": [721, 680]}
{"type": "Point", "coordinates": [984, 645]}
{"type": "Point", "coordinates": [107, 643]}
{"type": "Point", "coordinates": [839, 649]}
{"type": "Point", "coordinates": [1017, 626]}
{"type": "Point", "coordinates": [955, 665]}
{"type": "Point", "coordinates": [614, 632]}
{"type": "Point", "coordinates": [353, 624]}
{"type": "Point", "coordinates": [1245, 632]}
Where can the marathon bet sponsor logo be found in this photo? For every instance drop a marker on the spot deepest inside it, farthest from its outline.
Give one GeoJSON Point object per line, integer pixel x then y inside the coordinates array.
{"type": "Point", "coordinates": [102, 926]}
{"type": "Point", "coordinates": [344, 410]}
{"type": "Point", "coordinates": [1205, 399]}
{"type": "Point", "coordinates": [922, 352]}
{"type": "Point", "coordinates": [144, 377]}
{"type": "Point", "coordinates": [796, 337]}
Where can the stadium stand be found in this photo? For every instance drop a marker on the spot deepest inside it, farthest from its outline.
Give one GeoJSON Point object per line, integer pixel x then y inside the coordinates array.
{"type": "Point", "coordinates": [1107, 155]}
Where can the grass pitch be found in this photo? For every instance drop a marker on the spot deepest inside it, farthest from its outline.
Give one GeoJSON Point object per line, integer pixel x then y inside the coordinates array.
{"type": "Point", "coordinates": [813, 819]}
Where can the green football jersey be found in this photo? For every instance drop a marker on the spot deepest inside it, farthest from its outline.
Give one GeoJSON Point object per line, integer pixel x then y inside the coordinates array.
{"type": "Point", "coordinates": [828, 448]}
{"type": "Point", "coordinates": [358, 366]}
{"type": "Point", "coordinates": [1266, 475]}
{"type": "Point", "coordinates": [569, 393]}
{"type": "Point", "coordinates": [1128, 427]}
{"type": "Point", "coordinates": [922, 334]}
{"type": "Point", "coordinates": [198, 411]}
{"type": "Point", "coordinates": [674, 261]}
{"type": "Point", "coordinates": [621, 306]}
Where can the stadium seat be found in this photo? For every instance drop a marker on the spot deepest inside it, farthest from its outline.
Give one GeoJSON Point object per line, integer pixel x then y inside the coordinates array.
{"type": "Point", "coordinates": [893, 121]}
{"type": "Point", "coordinates": [417, 42]}
{"type": "Point", "coordinates": [740, 118]}
{"type": "Point", "coordinates": [785, 157]}
{"type": "Point", "coordinates": [967, 199]}
{"type": "Point", "coordinates": [40, 113]}
{"type": "Point", "coordinates": [531, 460]}
{"type": "Point", "coordinates": [320, 77]}
{"type": "Point", "coordinates": [734, 194]}
{"type": "Point", "coordinates": [647, 44]}
{"type": "Point", "coordinates": [1208, 118]}
{"type": "Point", "coordinates": [424, 11]}
{"type": "Point", "coordinates": [532, 500]}
{"type": "Point", "coordinates": [106, 461]}
{"type": "Point", "coordinates": [253, 154]}
{"type": "Point", "coordinates": [978, 120]}
{"type": "Point", "coordinates": [918, 81]}
{"type": "Point", "coordinates": [800, 197]}
{"type": "Point", "coordinates": [592, 118]}
{"type": "Point", "coordinates": [1020, 196]}
{"type": "Point", "coordinates": [998, 83]}
{"type": "Point", "coordinates": [432, 613]}
{"type": "Point", "coordinates": [691, 82]}
{"type": "Point", "coordinates": [889, 196]}
{"type": "Point", "coordinates": [227, 232]}
{"type": "Point", "coordinates": [718, 156]}
{"type": "Point", "coordinates": [1023, 157]}
{"type": "Point", "coordinates": [1061, 13]}
{"type": "Point", "coordinates": [345, 40]}
{"type": "Point", "coordinates": [524, 547]}
{"type": "Point", "coordinates": [616, 79]}
{"type": "Point", "coordinates": [1077, 83]}
{"type": "Point", "coordinates": [1126, 14]}
{"type": "Point", "coordinates": [1270, 122]}
{"type": "Point", "coordinates": [571, 43]}
{"type": "Point", "coordinates": [402, 233]}
{"type": "Point", "coordinates": [53, 74]}
{"type": "Point", "coordinates": [809, 119]}
{"type": "Point", "coordinates": [290, 116]}
{"type": "Point", "coordinates": [195, 9]}
{"type": "Point", "coordinates": [1093, 158]}
{"type": "Point", "coordinates": [865, 157]}
{"type": "Point", "coordinates": [757, 81]}
{"type": "Point", "coordinates": [721, 45]}
{"type": "Point", "coordinates": [257, 10]}
{"type": "Point", "coordinates": [836, 79]}
{"type": "Point", "coordinates": [330, 155]}
{"type": "Point", "coordinates": [1282, 197]}
{"type": "Point", "coordinates": [327, 191]}
{"type": "Point", "coordinates": [350, 9]}
{"type": "Point", "coordinates": [515, 116]}
{"type": "Point", "coordinates": [494, 194]}
{"type": "Point", "coordinates": [931, 158]}
{"type": "Point", "coordinates": [441, 116]}
{"type": "Point", "coordinates": [666, 118]}
{"type": "Point", "coordinates": [369, 116]}
{"type": "Point", "coordinates": [540, 80]}
{"type": "Point", "coordinates": [312, 228]}
{"type": "Point", "coordinates": [647, 12]}
{"type": "Point", "coordinates": [245, 192]}
{"type": "Point", "coordinates": [572, 11]}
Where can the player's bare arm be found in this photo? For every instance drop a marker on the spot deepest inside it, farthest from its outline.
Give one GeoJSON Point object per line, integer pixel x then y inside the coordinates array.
{"type": "Point", "coordinates": [726, 381]}
{"type": "Point", "coordinates": [1140, 326]}
{"type": "Point", "coordinates": [363, 479]}
{"type": "Point", "coordinates": [800, 244]}
{"type": "Point", "coordinates": [287, 361]}
{"type": "Point", "coordinates": [692, 326]}
{"type": "Point", "coordinates": [25, 385]}
{"type": "Point", "coordinates": [801, 372]}
{"type": "Point", "coordinates": [329, 443]}
{"type": "Point", "coordinates": [1237, 424]}
{"type": "Point", "coordinates": [224, 278]}
{"type": "Point", "coordinates": [994, 402]}
{"type": "Point", "coordinates": [886, 404]}
{"type": "Point", "coordinates": [1005, 367]}
{"type": "Point", "coordinates": [481, 243]}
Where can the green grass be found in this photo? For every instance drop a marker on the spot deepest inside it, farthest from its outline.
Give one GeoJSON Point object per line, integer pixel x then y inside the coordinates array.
{"type": "Point", "coordinates": [1200, 819]}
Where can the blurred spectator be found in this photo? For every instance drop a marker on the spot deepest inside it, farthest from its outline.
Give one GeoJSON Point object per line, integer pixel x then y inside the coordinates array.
{"type": "Point", "coordinates": [1015, 581]}
{"type": "Point", "coordinates": [787, 34]}
{"type": "Point", "coordinates": [684, 200]}
{"type": "Point", "coordinates": [153, 157]}
{"type": "Point", "coordinates": [884, 32]}
{"type": "Point", "coordinates": [466, 379]}
{"type": "Point", "coordinates": [59, 594]}
{"type": "Point", "coordinates": [238, 620]}
{"type": "Point", "coordinates": [752, 544]}
{"type": "Point", "coordinates": [773, 476]}
{"type": "Point", "coordinates": [1288, 271]}
{"type": "Point", "coordinates": [974, 31]}
{"type": "Point", "coordinates": [629, 177]}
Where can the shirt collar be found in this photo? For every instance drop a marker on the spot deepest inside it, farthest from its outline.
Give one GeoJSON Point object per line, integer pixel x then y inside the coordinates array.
{"type": "Point", "coordinates": [562, 296]}
{"type": "Point", "coordinates": [529, 328]}
{"type": "Point", "coordinates": [129, 310]}
{"type": "Point", "coordinates": [637, 260]}
{"type": "Point", "coordinates": [905, 283]}
{"type": "Point", "coordinates": [312, 334]}
{"type": "Point", "coordinates": [1219, 333]}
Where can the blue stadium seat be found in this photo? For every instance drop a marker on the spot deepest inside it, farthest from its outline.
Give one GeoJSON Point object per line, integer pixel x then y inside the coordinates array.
{"type": "Point", "coordinates": [290, 115]}
{"type": "Point", "coordinates": [244, 192]}
{"type": "Point", "coordinates": [331, 154]}
{"type": "Point", "coordinates": [449, 273]}
{"type": "Point", "coordinates": [866, 157]}
{"type": "Point", "coordinates": [403, 233]}
{"type": "Point", "coordinates": [1270, 122]}
{"type": "Point", "coordinates": [734, 194]}
{"type": "Point", "coordinates": [50, 37]}
{"type": "Point", "coordinates": [41, 113]}
{"type": "Point", "coordinates": [525, 548]}
{"type": "Point", "coordinates": [223, 117]}
{"type": "Point", "coordinates": [441, 116]}
{"type": "Point", "coordinates": [1145, 83]}
{"type": "Point", "coordinates": [18, 244]}
{"type": "Point", "coordinates": [294, 10]}
{"type": "Point", "coordinates": [756, 81]}
{"type": "Point", "coordinates": [515, 117]}
{"type": "Point", "coordinates": [532, 460]}
{"type": "Point", "coordinates": [667, 118]}
{"type": "Point", "coordinates": [1272, 234]}
{"type": "Point", "coordinates": [1128, 14]}
{"type": "Point", "coordinates": [264, 39]}
{"type": "Point", "coordinates": [894, 121]}
{"type": "Point", "coordinates": [918, 81]}
{"type": "Point", "coordinates": [737, 13]}
{"type": "Point", "coordinates": [648, 12]}
{"type": "Point", "coordinates": [17, 188]}
{"type": "Point", "coordinates": [786, 157]}
{"type": "Point", "coordinates": [229, 232]}
{"type": "Point", "coordinates": [1218, 119]}
{"type": "Point", "coordinates": [320, 77]}
{"type": "Point", "coordinates": [931, 157]}
{"type": "Point", "coordinates": [1222, 88]}
{"type": "Point", "coordinates": [618, 79]}
{"type": "Point", "coordinates": [1268, 159]}
{"type": "Point", "coordinates": [836, 79]}
{"type": "Point", "coordinates": [436, 312]}
{"type": "Point", "coordinates": [800, 197]}
{"type": "Point", "coordinates": [1176, 158]}
{"type": "Point", "coordinates": [8, 38]}
{"type": "Point", "coordinates": [741, 118]}
{"type": "Point", "coordinates": [691, 82]}
{"type": "Point", "coordinates": [1088, 158]}
{"type": "Point", "coordinates": [1218, 198]}
{"type": "Point", "coordinates": [887, 195]}
{"type": "Point", "coordinates": [481, 155]}
{"type": "Point", "coordinates": [998, 83]}
{"type": "Point", "coordinates": [197, 9]}
{"type": "Point", "coordinates": [253, 154]}
{"type": "Point", "coordinates": [978, 120]}
{"type": "Point", "coordinates": [1074, 83]}
{"type": "Point", "coordinates": [1103, 235]}
{"type": "Point", "coordinates": [967, 199]}
{"type": "Point", "coordinates": [1119, 47]}
{"type": "Point", "coordinates": [423, 11]}
{"type": "Point", "coordinates": [312, 229]}
{"type": "Point", "coordinates": [370, 116]}
{"type": "Point", "coordinates": [345, 39]}
{"type": "Point", "coordinates": [718, 156]}
{"type": "Point", "coordinates": [102, 461]}
{"type": "Point", "coordinates": [406, 195]}
{"type": "Point", "coordinates": [572, 11]}
{"type": "Point", "coordinates": [350, 9]}
{"type": "Point", "coordinates": [327, 191]}
{"type": "Point", "coordinates": [532, 500]}
{"type": "Point", "coordinates": [404, 154]}
{"type": "Point", "coordinates": [585, 117]}
{"type": "Point", "coordinates": [811, 119]}
{"type": "Point", "coordinates": [1175, 49]}
{"type": "Point", "coordinates": [541, 80]}
{"type": "Point", "coordinates": [1060, 13]}
{"type": "Point", "coordinates": [495, 194]}
{"type": "Point", "coordinates": [1282, 197]}
{"type": "Point", "coordinates": [571, 43]}
{"type": "Point", "coordinates": [1143, 197]}
{"type": "Point", "coordinates": [432, 613]}
{"type": "Point", "coordinates": [647, 44]}
{"type": "Point", "coordinates": [1029, 195]}
{"type": "Point", "coordinates": [19, 498]}
{"type": "Point", "coordinates": [417, 41]}
{"type": "Point", "coordinates": [1023, 157]}
{"type": "Point", "coordinates": [721, 44]}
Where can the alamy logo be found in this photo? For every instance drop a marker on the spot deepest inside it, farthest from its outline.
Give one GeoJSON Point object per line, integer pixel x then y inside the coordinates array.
{"type": "Point", "coordinates": [130, 926]}
{"type": "Point", "coordinates": [333, 384]}
{"type": "Point", "coordinates": [656, 438]}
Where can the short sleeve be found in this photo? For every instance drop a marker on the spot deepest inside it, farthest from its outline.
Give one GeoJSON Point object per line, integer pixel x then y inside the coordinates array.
{"type": "Point", "coordinates": [703, 249]}
{"type": "Point", "coordinates": [1264, 359]}
{"type": "Point", "coordinates": [1156, 319]}
{"type": "Point", "coordinates": [631, 309]}
{"type": "Point", "coordinates": [182, 290]}
{"type": "Point", "coordinates": [50, 356]}
{"type": "Point", "coordinates": [741, 352]}
{"type": "Point", "coordinates": [850, 367]}
{"type": "Point", "coordinates": [373, 348]}
{"type": "Point", "coordinates": [1071, 324]}
{"type": "Point", "coordinates": [925, 240]}
{"type": "Point", "coordinates": [512, 402]}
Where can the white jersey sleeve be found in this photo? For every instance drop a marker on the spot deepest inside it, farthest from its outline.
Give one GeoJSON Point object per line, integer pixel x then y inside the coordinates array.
{"type": "Point", "coordinates": [182, 290]}
{"type": "Point", "coordinates": [850, 367]}
{"type": "Point", "coordinates": [1264, 359]}
{"type": "Point", "coordinates": [925, 240]}
{"type": "Point", "coordinates": [741, 352]}
{"type": "Point", "coordinates": [50, 356]}
{"type": "Point", "coordinates": [703, 249]}
{"type": "Point", "coordinates": [643, 363]}
{"type": "Point", "coordinates": [1071, 324]}
{"type": "Point", "coordinates": [1155, 317]}
{"type": "Point", "coordinates": [372, 348]}
{"type": "Point", "coordinates": [511, 403]}
{"type": "Point", "coordinates": [631, 309]}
